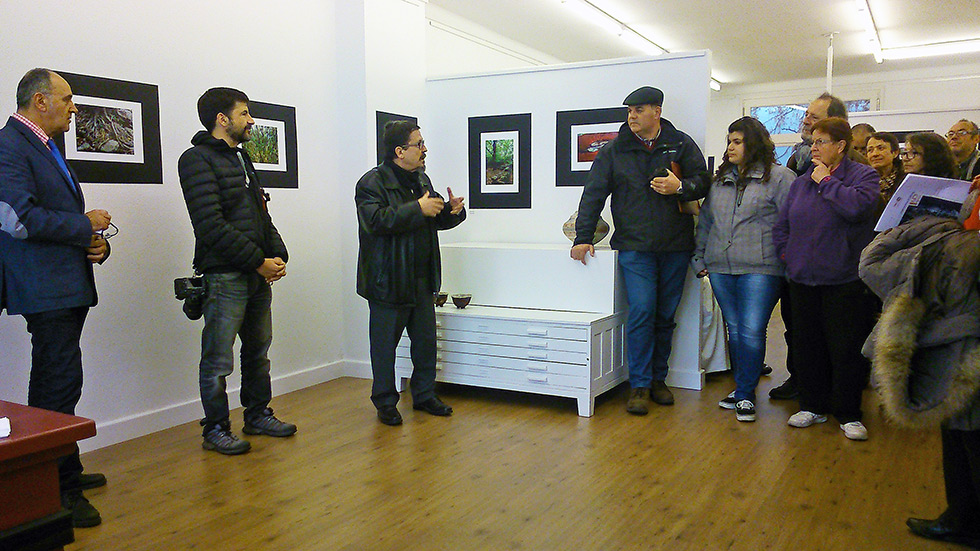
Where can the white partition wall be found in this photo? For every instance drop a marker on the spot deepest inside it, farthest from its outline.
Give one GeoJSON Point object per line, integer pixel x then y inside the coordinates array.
{"type": "Point", "coordinates": [542, 92]}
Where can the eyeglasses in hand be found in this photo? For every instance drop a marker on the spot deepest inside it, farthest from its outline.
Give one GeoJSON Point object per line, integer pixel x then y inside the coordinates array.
{"type": "Point", "coordinates": [109, 232]}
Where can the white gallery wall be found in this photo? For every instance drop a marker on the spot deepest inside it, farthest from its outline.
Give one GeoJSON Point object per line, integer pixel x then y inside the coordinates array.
{"type": "Point", "coordinates": [542, 92]}
{"type": "Point", "coordinates": [140, 352]}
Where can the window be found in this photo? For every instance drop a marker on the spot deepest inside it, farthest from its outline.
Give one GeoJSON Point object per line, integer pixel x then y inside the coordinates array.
{"type": "Point", "coordinates": [783, 120]}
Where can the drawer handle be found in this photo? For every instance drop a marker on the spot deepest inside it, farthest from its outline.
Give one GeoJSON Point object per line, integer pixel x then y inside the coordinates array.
{"type": "Point", "coordinates": [536, 367]}
{"type": "Point", "coordinates": [483, 349]}
{"type": "Point", "coordinates": [537, 355]}
{"type": "Point", "coordinates": [438, 366]}
{"type": "Point", "coordinates": [537, 343]}
{"type": "Point", "coordinates": [438, 346]}
{"type": "Point", "coordinates": [483, 327]}
{"type": "Point", "coordinates": [438, 323]}
{"type": "Point", "coordinates": [534, 379]}
{"type": "Point", "coordinates": [538, 331]}
{"type": "Point", "coordinates": [483, 361]}
{"type": "Point", "coordinates": [438, 334]}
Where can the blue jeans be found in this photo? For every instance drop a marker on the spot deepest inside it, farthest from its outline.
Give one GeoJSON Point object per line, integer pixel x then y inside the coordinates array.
{"type": "Point", "coordinates": [654, 283]}
{"type": "Point", "coordinates": [746, 302]}
{"type": "Point", "coordinates": [239, 304]}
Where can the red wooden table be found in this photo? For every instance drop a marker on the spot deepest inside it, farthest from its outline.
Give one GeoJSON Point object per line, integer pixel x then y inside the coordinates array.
{"type": "Point", "coordinates": [31, 516]}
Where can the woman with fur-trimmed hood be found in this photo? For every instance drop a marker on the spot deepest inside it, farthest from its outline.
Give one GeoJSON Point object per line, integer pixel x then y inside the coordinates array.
{"type": "Point", "coordinates": [926, 353]}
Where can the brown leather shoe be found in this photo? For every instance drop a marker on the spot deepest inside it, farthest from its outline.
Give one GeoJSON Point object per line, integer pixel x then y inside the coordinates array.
{"type": "Point", "coordinates": [660, 394]}
{"type": "Point", "coordinates": [637, 403]}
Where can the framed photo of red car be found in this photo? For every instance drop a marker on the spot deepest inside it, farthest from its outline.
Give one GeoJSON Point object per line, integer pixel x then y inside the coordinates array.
{"type": "Point", "coordinates": [115, 136]}
{"type": "Point", "coordinates": [500, 162]}
{"type": "Point", "coordinates": [579, 135]}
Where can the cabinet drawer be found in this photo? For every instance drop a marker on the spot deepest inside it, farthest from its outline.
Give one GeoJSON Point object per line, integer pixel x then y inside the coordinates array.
{"type": "Point", "coordinates": [518, 353]}
{"type": "Point", "coordinates": [404, 365]}
{"type": "Point", "coordinates": [519, 341]}
{"type": "Point", "coordinates": [547, 330]}
{"type": "Point", "coordinates": [544, 380]}
{"type": "Point", "coordinates": [514, 364]}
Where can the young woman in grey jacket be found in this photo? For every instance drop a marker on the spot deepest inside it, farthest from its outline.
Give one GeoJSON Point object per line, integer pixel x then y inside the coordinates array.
{"type": "Point", "coordinates": [735, 250]}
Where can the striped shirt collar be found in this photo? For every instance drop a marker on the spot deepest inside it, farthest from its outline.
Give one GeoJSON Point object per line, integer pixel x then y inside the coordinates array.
{"type": "Point", "coordinates": [34, 128]}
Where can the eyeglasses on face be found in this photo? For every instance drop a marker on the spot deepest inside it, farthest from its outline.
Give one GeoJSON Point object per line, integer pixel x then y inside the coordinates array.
{"type": "Point", "coordinates": [910, 154]}
{"type": "Point", "coordinates": [419, 145]}
{"type": "Point", "coordinates": [961, 133]}
{"type": "Point", "coordinates": [822, 142]}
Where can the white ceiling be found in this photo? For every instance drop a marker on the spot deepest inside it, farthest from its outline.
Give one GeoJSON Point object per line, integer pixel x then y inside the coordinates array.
{"type": "Point", "coordinates": [752, 41]}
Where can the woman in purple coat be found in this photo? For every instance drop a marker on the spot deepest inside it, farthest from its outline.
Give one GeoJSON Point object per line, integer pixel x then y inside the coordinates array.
{"type": "Point", "coordinates": [828, 218]}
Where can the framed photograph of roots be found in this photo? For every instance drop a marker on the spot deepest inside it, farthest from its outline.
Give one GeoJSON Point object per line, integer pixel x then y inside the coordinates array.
{"type": "Point", "coordinates": [115, 137]}
{"type": "Point", "coordinates": [500, 162]}
{"type": "Point", "coordinates": [272, 146]}
{"type": "Point", "coordinates": [579, 136]}
{"type": "Point", "coordinates": [381, 119]}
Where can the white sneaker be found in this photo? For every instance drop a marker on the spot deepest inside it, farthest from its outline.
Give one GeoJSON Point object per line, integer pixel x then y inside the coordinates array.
{"type": "Point", "coordinates": [855, 430]}
{"type": "Point", "coordinates": [745, 411]}
{"type": "Point", "coordinates": [728, 402]}
{"type": "Point", "coordinates": [803, 419]}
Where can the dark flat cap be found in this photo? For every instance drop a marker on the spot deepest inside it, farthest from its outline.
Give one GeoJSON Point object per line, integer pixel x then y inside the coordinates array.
{"type": "Point", "coordinates": [646, 95]}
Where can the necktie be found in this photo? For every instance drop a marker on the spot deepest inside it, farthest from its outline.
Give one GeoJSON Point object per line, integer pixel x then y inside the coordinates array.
{"type": "Point", "coordinates": [53, 147]}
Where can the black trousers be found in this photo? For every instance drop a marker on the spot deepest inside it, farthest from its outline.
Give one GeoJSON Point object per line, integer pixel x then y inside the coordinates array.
{"type": "Point", "coordinates": [386, 326]}
{"type": "Point", "coordinates": [56, 372]}
{"type": "Point", "coordinates": [961, 472]}
{"type": "Point", "coordinates": [829, 327]}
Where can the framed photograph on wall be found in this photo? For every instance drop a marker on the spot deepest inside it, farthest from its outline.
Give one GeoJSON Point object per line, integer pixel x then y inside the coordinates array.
{"type": "Point", "coordinates": [115, 137]}
{"type": "Point", "coordinates": [500, 162]}
{"type": "Point", "coordinates": [381, 119]}
{"type": "Point", "coordinates": [579, 136]}
{"type": "Point", "coordinates": [273, 144]}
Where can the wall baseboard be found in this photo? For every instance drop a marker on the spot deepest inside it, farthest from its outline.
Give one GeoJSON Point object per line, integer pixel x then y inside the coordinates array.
{"type": "Point", "coordinates": [147, 422]}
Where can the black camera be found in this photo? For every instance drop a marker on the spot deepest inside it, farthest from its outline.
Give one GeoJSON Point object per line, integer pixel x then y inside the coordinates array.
{"type": "Point", "coordinates": [191, 290]}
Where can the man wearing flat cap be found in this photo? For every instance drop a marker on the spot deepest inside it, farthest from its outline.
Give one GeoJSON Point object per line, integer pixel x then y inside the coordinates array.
{"type": "Point", "coordinates": [650, 169]}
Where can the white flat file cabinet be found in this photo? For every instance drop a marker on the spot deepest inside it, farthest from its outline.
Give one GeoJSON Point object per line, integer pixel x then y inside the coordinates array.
{"type": "Point", "coordinates": [558, 353]}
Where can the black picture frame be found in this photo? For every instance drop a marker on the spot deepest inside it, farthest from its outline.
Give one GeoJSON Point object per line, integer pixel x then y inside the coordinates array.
{"type": "Point", "coordinates": [566, 175]}
{"type": "Point", "coordinates": [381, 119]}
{"type": "Point", "coordinates": [147, 171]}
{"type": "Point", "coordinates": [286, 176]}
{"type": "Point", "coordinates": [518, 194]}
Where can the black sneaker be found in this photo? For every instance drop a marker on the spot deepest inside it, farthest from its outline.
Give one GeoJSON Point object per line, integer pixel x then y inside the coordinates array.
{"type": "Point", "coordinates": [745, 411]}
{"type": "Point", "coordinates": [785, 391]}
{"type": "Point", "coordinates": [728, 402]}
{"type": "Point", "coordinates": [83, 514]}
{"type": "Point", "coordinates": [221, 440]}
{"type": "Point", "coordinates": [268, 425]}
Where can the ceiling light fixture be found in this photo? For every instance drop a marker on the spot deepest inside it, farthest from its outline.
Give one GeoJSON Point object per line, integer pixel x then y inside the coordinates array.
{"type": "Point", "coordinates": [868, 22]}
{"type": "Point", "coordinates": [601, 18]}
{"type": "Point", "coordinates": [933, 49]}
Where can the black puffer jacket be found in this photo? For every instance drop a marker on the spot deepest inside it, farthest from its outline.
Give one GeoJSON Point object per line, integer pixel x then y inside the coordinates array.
{"type": "Point", "coordinates": [644, 219]}
{"type": "Point", "coordinates": [388, 219]}
{"type": "Point", "coordinates": [232, 226]}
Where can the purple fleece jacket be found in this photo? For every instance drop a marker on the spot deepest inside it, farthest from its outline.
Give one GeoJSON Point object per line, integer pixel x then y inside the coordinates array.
{"type": "Point", "coordinates": [823, 227]}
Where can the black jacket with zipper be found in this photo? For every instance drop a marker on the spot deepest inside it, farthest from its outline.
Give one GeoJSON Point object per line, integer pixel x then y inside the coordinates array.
{"type": "Point", "coordinates": [232, 228]}
{"type": "Point", "coordinates": [389, 219]}
{"type": "Point", "coordinates": [644, 220]}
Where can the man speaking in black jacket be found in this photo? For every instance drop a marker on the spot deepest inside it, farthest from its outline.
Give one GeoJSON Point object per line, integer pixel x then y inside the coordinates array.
{"type": "Point", "coordinates": [398, 266]}
{"type": "Point", "coordinates": [240, 253]}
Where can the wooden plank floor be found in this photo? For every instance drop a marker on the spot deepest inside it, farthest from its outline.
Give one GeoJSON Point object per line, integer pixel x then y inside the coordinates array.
{"type": "Point", "coordinates": [516, 471]}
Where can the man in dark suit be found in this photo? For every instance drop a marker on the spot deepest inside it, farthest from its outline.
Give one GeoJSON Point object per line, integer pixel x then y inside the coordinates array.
{"type": "Point", "coordinates": [48, 244]}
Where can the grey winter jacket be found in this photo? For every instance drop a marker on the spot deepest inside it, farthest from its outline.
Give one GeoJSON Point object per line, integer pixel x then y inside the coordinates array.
{"type": "Point", "coordinates": [734, 234]}
{"type": "Point", "coordinates": [925, 348]}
